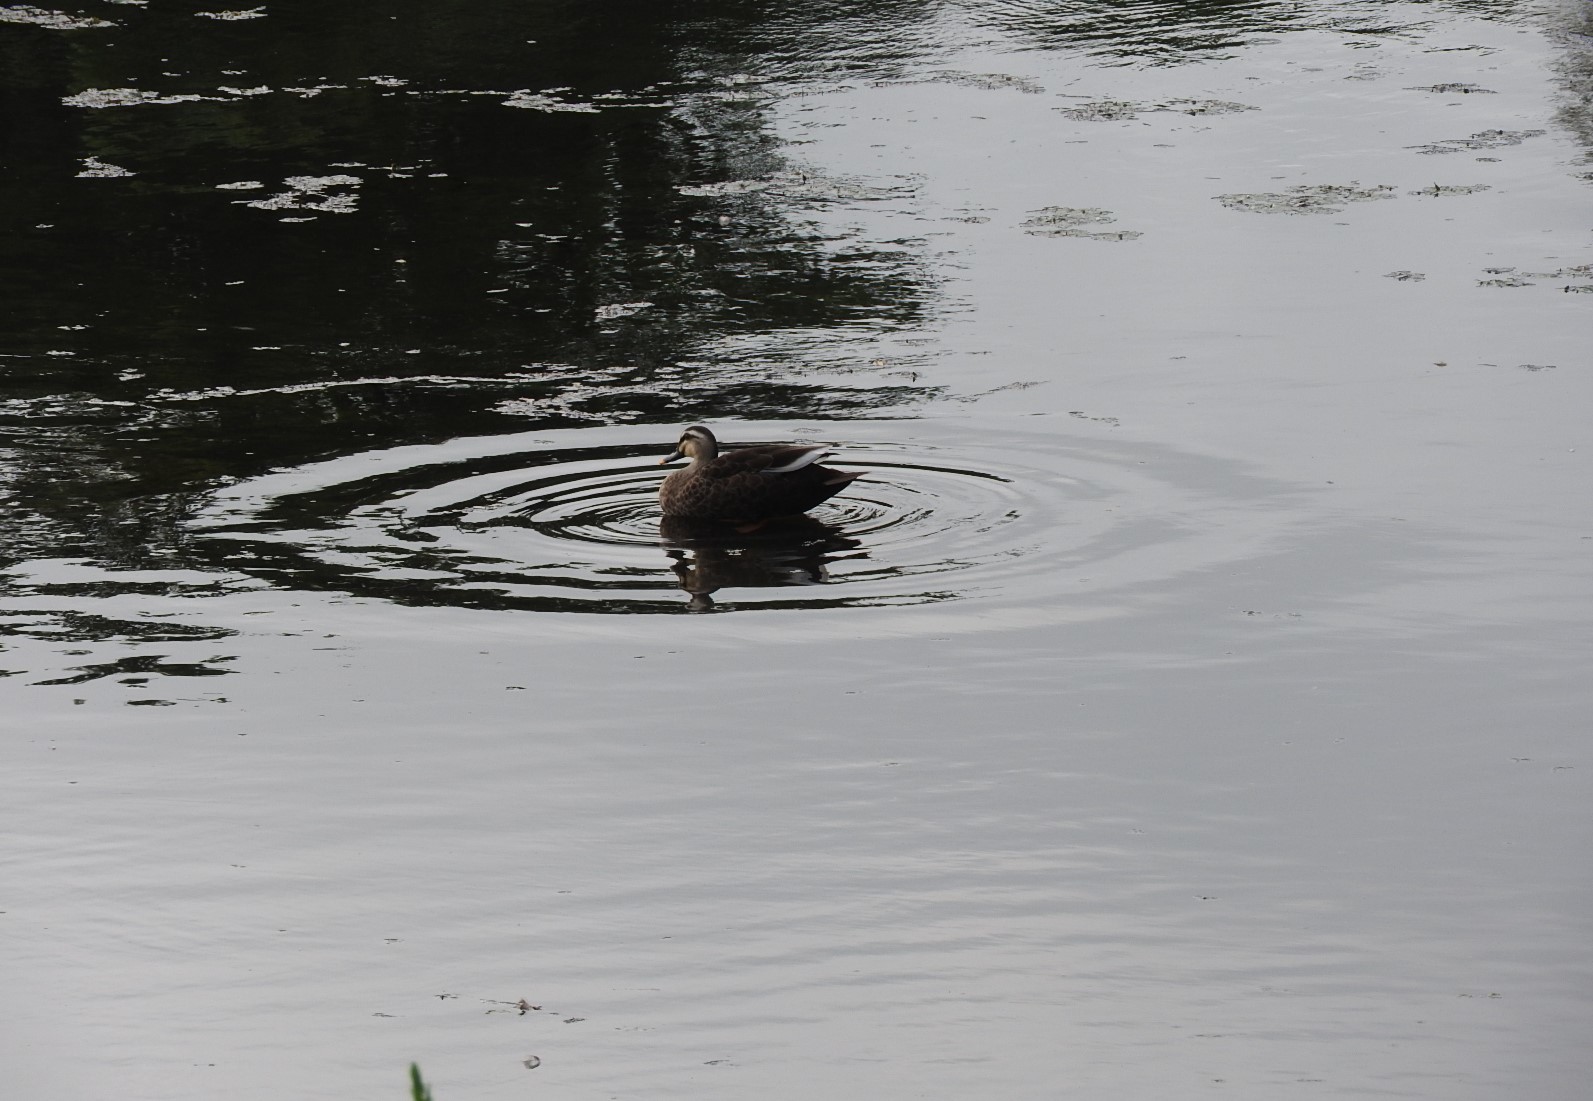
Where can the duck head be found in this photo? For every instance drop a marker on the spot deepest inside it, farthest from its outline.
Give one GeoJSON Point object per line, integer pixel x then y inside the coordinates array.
{"type": "Point", "coordinates": [696, 443]}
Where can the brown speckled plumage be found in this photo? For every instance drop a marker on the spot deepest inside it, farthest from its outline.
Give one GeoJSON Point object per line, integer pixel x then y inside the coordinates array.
{"type": "Point", "coordinates": [748, 484]}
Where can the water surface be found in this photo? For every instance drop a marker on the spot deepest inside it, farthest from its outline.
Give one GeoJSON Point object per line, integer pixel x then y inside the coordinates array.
{"type": "Point", "coordinates": [1189, 700]}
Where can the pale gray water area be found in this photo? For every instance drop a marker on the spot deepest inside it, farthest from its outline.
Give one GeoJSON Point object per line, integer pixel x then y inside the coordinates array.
{"type": "Point", "coordinates": [1191, 701]}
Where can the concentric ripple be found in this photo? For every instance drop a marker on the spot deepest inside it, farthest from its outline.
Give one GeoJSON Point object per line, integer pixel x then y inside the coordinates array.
{"type": "Point", "coordinates": [569, 521]}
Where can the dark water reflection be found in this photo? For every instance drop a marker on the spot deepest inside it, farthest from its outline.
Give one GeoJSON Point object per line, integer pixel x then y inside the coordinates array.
{"type": "Point", "coordinates": [795, 550]}
{"type": "Point", "coordinates": [237, 244]}
{"type": "Point", "coordinates": [342, 229]}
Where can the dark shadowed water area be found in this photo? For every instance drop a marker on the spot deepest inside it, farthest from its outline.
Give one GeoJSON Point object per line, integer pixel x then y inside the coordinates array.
{"type": "Point", "coordinates": [1191, 699]}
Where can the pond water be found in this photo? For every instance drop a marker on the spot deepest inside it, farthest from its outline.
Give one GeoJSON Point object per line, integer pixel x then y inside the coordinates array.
{"type": "Point", "coordinates": [1191, 699]}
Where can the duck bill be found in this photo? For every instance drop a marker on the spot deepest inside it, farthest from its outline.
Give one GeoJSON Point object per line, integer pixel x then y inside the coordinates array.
{"type": "Point", "coordinates": [671, 457]}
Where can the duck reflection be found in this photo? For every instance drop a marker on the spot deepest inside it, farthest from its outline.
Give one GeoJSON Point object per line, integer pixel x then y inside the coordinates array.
{"type": "Point", "coordinates": [709, 555]}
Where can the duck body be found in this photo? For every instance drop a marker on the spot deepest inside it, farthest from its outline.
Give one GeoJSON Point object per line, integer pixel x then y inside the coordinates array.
{"type": "Point", "coordinates": [749, 484]}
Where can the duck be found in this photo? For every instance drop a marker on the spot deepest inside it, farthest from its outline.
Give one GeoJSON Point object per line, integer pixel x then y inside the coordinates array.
{"type": "Point", "coordinates": [749, 485]}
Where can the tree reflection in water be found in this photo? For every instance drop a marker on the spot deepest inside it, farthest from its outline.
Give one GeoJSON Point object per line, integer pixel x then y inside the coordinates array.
{"type": "Point", "coordinates": [238, 246]}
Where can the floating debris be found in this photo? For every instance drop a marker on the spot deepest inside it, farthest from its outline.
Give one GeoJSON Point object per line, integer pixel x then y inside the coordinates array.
{"type": "Point", "coordinates": [797, 185]}
{"type": "Point", "coordinates": [1445, 89]}
{"type": "Point", "coordinates": [1513, 277]}
{"type": "Point", "coordinates": [52, 20]}
{"type": "Point", "coordinates": [260, 91]}
{"type": "Point", "coordinates": [1406, 276]}
{"type": "Point", "coordinates": [1538, 367]}
{"type": "Point", "coordinates": [988, 81]}
{"type": "Point", "coordinates": [1083, 416]}
{"type": "Point", "coordinates": [386, 81]}
{"type": "Point", "coordinates": [1578, 271]}
{"type": "Point", "coordinates": [311, 93]}
{"type": "Point", "coordinates": [1067, 221]}
{"type": "Point", "coordinates": [331, 194]}
{"type": "Point", "coordinates": [94, 168]}
{"type": "Point", "coordinates": [1204, 107]}
{"type": "Point", "coordinates": [1451, 189]}
{"type": "Point", "coordinates": [249, 13]}
{"type": "Point", "coordinates": [1483, 139]}
{"type": "Point", "coordinates": [241, 185]}
{"type": "Point", "coordinates": [1116, 110]}
{"type": "Point", "coordinates": [122, 97]}
{"type": "Point", "coordinates": [1307, 198]}
{"type": "Point", "coordinates": [1106, 110]}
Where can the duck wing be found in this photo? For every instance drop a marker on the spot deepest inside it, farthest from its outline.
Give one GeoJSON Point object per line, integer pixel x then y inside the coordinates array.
{"type": "Point", "coordinates": [773, 459]}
